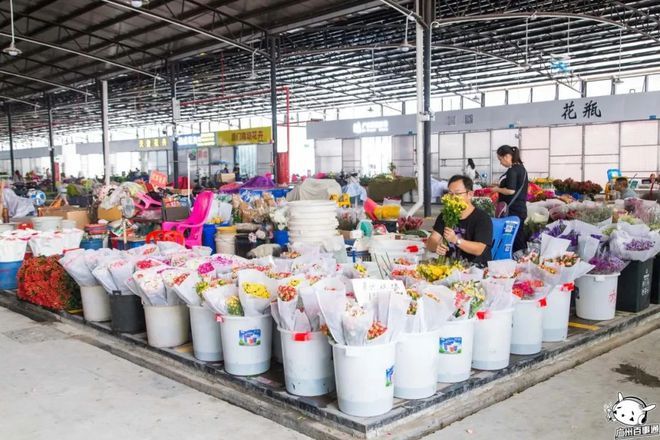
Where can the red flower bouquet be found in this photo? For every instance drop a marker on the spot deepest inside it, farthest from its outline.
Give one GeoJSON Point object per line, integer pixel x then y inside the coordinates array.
{"type": "Point", "coordinates": [42, 281]}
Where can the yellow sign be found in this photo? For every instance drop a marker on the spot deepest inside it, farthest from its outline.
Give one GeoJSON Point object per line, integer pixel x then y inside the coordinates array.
{"type": "Point", "coordinates": [161, 142]}
{"type": "Point", "coordinates": [258, 135]}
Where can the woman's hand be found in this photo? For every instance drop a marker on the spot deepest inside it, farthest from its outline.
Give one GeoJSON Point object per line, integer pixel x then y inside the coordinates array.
{"type": "Point", "coordinates": [441, 249]}
{"type": "Point", "coordinates": [450, 236]}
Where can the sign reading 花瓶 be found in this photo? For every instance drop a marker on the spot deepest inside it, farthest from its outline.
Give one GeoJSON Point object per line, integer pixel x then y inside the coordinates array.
{"type": "Point", "coordinates": [257, 135]}
{"type": "Point", "coordinates": [162, 142]}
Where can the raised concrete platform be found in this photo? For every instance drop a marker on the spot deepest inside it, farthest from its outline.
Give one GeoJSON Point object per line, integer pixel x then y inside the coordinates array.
{"type": "Point", "coordinates": [319, 417]}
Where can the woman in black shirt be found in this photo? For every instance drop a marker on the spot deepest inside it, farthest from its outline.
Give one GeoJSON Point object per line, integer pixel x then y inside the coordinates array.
{"type": "Point", "coordinates": [513, 189]}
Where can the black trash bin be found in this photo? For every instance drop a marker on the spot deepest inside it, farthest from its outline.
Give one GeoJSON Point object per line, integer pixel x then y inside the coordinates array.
{"type": "Point", "coordinates": [634, 289]}
{"type": "Point", "coordinates": [655, 288]}
{"type": "Point", "coordinates": [127, 314]}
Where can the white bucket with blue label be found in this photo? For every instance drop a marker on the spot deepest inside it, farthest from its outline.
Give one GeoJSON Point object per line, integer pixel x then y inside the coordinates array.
{"type": "Point", "coordinates": [308, 369]}
{"type": "Point", "coordinates": [246, 344]}
{"type": "Point", "coordinates": [492, 339]}
{"type": "Point", "coordinates": [416, 365]}
{"type": "Point", "coordinates": [454, 345]}
{"type": "Point", "coordinates": [207, 342]}
{"type": "Point", "coordinates": [555, 315]}
{"type": "Point", "coordinates": [365, 378]}
{"type": "Point", "coordinates": [527, 333]}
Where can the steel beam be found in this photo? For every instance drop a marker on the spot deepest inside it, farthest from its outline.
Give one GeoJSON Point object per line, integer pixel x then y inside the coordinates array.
{"type": "Point", "coordinates": [272, 42]}
{"type": "Point", "coordinates": [51, 141]}
{"type": "Point", "coordinates": [105, 132]}
{"type": "Point", "coordinates": [43, 81]}
{"type": "Point", "coordinates": [11, 140]}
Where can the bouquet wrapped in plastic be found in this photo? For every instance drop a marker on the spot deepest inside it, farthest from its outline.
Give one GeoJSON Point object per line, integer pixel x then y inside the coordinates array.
{"type": "Point", "coordinates": [75, 265]}
{"type": "Point", "coordinates": [377, 318]}
{"type": "Point", "coordinates": [634, 242]}
{"type": "Point", "coordinates": [183, 283]}
{"type": "Point", "coordinates": [558, 266]}
{"type": "Point", "coordinates": [255, 290]}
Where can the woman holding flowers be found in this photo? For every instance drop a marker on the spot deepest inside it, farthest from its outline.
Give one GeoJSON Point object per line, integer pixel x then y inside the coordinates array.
{"type": "Point", "coordinates": [513, 189]}
{"type": "Point", "coordinates": [462, 230]}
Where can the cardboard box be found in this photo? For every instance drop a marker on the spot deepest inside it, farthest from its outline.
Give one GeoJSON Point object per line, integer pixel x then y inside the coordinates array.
{"type": "Point", "coordinates": [80, 215]}
{"type": "Point", "coordinates": [227, 177]}
{"type": "Point", "coordinates": [110, 215]}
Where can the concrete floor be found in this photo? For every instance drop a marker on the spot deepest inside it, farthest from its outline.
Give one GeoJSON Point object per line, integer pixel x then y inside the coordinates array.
{"type": "Point", "coordinates": [55, 386]}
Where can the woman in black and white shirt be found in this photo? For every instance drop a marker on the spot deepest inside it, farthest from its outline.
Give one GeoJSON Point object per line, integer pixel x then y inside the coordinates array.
{"type": "Point", "coordinates": [513, 189]}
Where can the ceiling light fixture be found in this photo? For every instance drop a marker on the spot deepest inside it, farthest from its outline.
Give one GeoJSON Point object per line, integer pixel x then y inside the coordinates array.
{"type": "Point", "coordinates": [12, 50]}
{"type": "Point", "coordinates": [137, 3]}
{"type": "Point", "coordinates": [405, 45]}
{"type": "Point", "coordinates": [35, 115]}
{"type": "Point", "coordinates": [618, 79]}
{"type": "Point", "coordinates": [253, 74]}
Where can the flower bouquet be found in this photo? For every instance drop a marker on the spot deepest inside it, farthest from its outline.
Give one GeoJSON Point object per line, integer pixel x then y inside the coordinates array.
{"type": "Point", "coordinates": [288, 309]}
{"type": "Point", "coordinates": [121, 271]}
{"type": "Point", "coordinates": [43, 281]}
{"type": "Point", "coordinates": [606, 264]}
{"type": "Point", "coordinates": [75, 265]}
{"type": "Point", "coordinates": [255, 290]}
{"type": "Point", "coordinates": [373, 319]}
{"type": "Point", "coordinates": [557, 265]}
{"type": "Point", "coordinates": [223, 300]}
{"type": "Point", "coordinates": [634, 242]}
{"type": "Point", "coordinates": [432, 271]}
{"type": "Point", "coordinates": [183, 282]}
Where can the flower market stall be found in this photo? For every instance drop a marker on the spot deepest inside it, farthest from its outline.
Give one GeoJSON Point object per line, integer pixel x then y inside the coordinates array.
{"type": "Point", "coordinates": [364, 316]}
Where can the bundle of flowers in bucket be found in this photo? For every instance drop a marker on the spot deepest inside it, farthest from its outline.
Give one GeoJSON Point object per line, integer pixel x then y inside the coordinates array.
{"type": "Point", "coordinates": [364, 331]}
{"type": "Point", "coordinates": [11, 259]}
{"type": "Point", "coordinates": [307, 356]}
{"type": "Point", "coordinates": [166, 317]}
{"type": "Point", "coordinates": [597, 290]}
{"type": "Point", "coordinates": [639, 245]}
{"type": "Point", "coordinates": [558, 268]}
{"type": "Point", "coordinates": [527, 294]}
{"type": "Point", "coordinates": [456, 332]}
{"type": "Point", "coordinates": [55, 242]}
{"type": "Point", "coordinates": [417, 351]}
{"type": "Point", "coordinates": [190, 285]}
{"type": "Point", "coordinates": [43, 281]}
{"type": "Point", "coordinates": [245, 322]}
{"type": "Point", "coordinates": [95, 302]}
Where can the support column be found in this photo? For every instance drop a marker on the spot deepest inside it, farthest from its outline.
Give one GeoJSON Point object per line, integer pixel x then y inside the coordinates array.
{"type": "Point", "coordinates": [51, 142]}
{"type": "Point", "coordinates": [106, 133]}
{"type": "Point", "coordinates": [175, 139]}
{"type": "Point", "coordinates": [11, 141]}
{"type": "Point", "coordinates": [428, 14]}
{"type": "Point", "coordinates": [272, 41]}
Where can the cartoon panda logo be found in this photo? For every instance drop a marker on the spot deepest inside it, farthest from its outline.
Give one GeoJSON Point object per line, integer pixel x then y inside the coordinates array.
{"type": "Point", "coordinates": [630, 411]}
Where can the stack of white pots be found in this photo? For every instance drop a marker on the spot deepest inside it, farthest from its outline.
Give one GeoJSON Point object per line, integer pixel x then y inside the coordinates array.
{"type": "Point", "coordinates": [312, 221]}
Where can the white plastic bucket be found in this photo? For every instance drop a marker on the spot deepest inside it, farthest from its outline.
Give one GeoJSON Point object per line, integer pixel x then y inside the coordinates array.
{"type": "Point", "coordinates": [308, 369]}
{"type": "Point", "coordinates": [416, 365]}
{"type": "Point", "coordinates": [277, 345]}
{"type": "Point", "coordinates": [225, 244]}
{"type": "Point", "coordinates": [207, 342]}
{"type": "Point", "coordinates": [456, 343]}
{"type": "Point", "coordinates": [96, 303]}
{"type": "Point", "coordinates": [596, 296]}
{"type": "Point", "coordinates": [555, 315]}
{"type": "Point", "coordinates": [527, 332]}
{"type": "Point", "coordinates": [246, 344]}
{"type": "Point", "coordinates": [46, 223]}
{"type": "Point", "coordinates": [492, 340]}
{"type": "Point", "coordinates": [365, 378]}
{"type": "Point", "coordinates": [68, 224]}
{"type": "Point", "coordinates": [167, 326]}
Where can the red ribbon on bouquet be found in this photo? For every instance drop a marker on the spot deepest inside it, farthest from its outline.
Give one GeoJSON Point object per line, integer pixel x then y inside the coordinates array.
{"type": "Point", "coordinates": [483, 314]}
{"type": "Point", "coordinates": [568, 287]}
{"type": "Point", "coordinates": [543, 302]}
{"type": "Point", "coordinates": [302, 337]}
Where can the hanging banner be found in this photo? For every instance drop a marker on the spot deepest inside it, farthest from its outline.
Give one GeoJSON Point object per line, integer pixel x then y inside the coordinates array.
{"type": "Point", "coordinates": [158, 179]}
{"type": "Point", "coordinates": [258, 135]}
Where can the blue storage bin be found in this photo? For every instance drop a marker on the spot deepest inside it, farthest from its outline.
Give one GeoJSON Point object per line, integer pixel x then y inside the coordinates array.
{"type": "Point", "coordinates": [91, 243]}
{"type": "Point", "coordinates": [9, 274]}
{"type": "Point", "coordinates": [208, 236]}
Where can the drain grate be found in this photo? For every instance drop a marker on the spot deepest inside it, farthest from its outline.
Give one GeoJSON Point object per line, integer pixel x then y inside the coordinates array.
{"type": "Point", "coordinates": [33, 335]}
